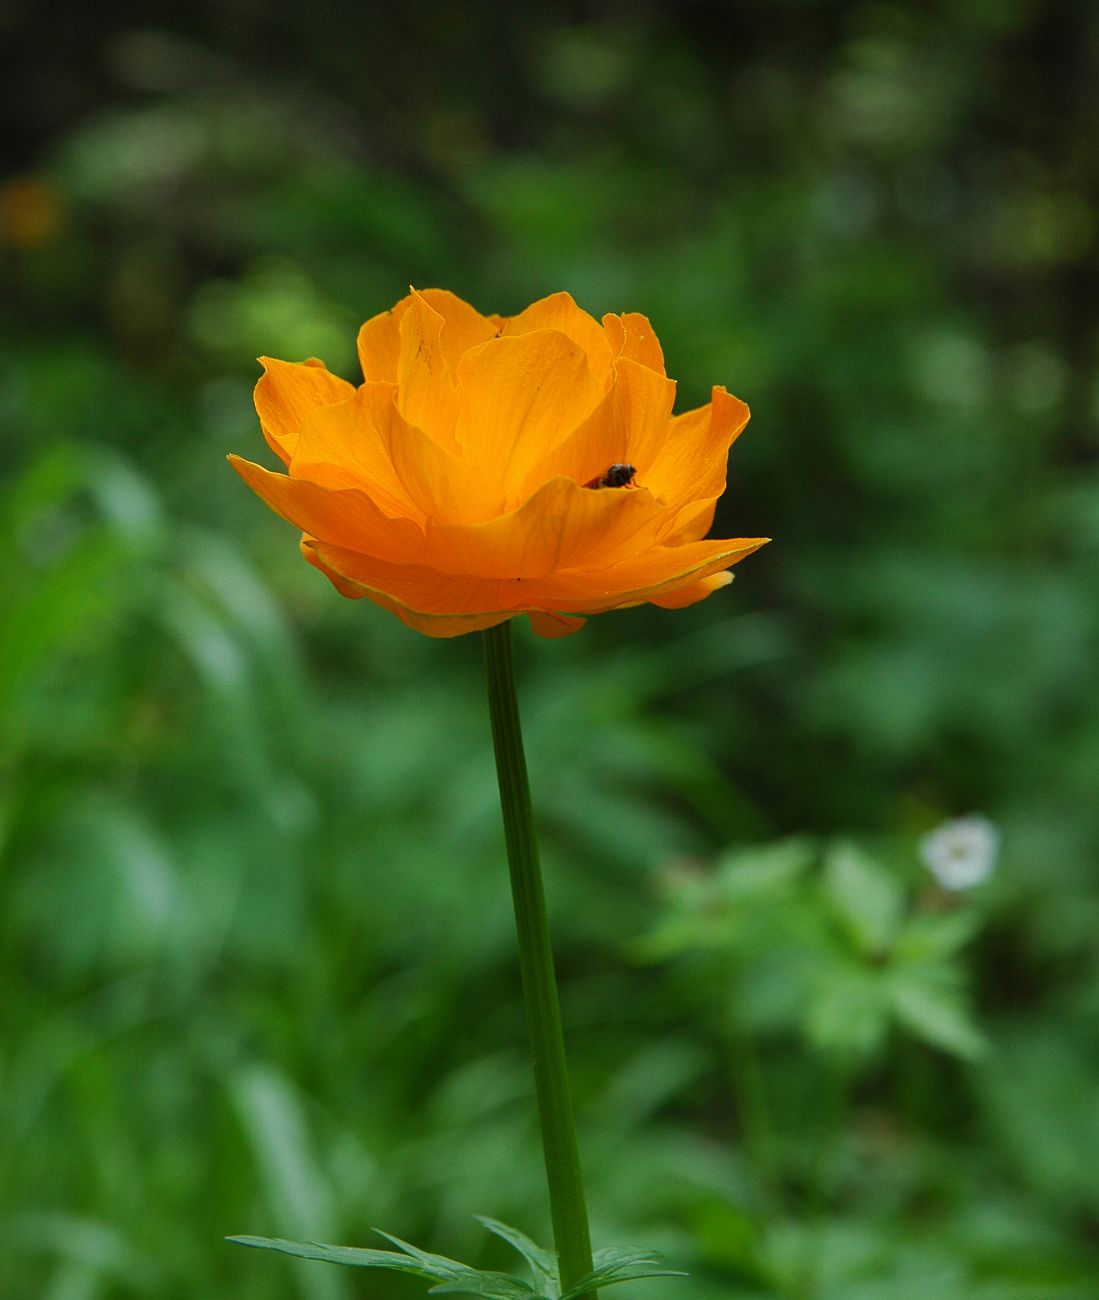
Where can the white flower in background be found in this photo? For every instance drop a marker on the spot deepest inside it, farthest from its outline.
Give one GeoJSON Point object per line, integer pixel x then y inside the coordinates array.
{"type": "Point", "coordinates": [961, 853]}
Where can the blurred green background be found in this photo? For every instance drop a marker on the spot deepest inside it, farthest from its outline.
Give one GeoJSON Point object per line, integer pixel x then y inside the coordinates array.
{"type": "Point", "coordinates": [255, 939]}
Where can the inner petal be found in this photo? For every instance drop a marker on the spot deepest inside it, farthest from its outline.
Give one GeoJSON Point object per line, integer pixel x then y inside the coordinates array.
{"type": "Point", "coordinates": [519, 398]}
{"type": "Point", "coordinates": [632, 336]}
{"type": "Point", "coordinates": [628, 427]}
{"type": "Point", "coordinates": [559, 311]}
{"type": "Point", "coordinates": [426, 395]}
{"type": "Point", "coordinates": [463, 328]}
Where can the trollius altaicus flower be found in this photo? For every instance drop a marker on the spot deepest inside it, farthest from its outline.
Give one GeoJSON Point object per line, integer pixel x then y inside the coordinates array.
{"type": "Point", "coordinates": [482, 469]}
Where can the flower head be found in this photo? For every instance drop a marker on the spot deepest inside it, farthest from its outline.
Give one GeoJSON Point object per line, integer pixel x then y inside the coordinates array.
{"type": "Point", "coordinates": [493, 466]}
{"type": "Point", "coordinates": [961, 853]}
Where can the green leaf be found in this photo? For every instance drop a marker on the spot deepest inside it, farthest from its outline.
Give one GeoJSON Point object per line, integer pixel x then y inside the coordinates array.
{"type": "Point", "coordinates": [865, 897]}
{"type": "Point", "coordinates": [929, 935]}
{"type": "Point", "coordinates": [847, 1008]}
{"type": "Point", "coordinates": [543, 1263]}
{"type": "Point", "coordinates": [930, 1005]}
{"type": "Point", "coordinates": [767, 871]}
{"type": "Point", "coordinates": [493, 1286]}
{"type": "Point", "coordinates": [354, 1256]}
{"type": "Point", "coordinates": [615, 1265]}
{"type": "Point", "coordinates": [501, 1285]}
{"type": "Point", "coordinates": [456, 1278]}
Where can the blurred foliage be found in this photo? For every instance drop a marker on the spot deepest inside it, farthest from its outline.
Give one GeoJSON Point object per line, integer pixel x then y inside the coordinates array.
{"type": "Point", "coordinates": [254, 936]}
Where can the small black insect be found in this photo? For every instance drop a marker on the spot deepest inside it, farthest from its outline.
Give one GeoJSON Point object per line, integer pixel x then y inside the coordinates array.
{"type": "Point", "coordinates": [616, 476]}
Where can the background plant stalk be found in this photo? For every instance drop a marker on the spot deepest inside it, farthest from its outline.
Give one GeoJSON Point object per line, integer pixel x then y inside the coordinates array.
{"type": "Point", "coordinates": [566, 1188]}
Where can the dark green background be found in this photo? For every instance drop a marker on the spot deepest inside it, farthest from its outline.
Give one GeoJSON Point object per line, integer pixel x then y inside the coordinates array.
{"type": "Point", "coordinates": [254, 939]}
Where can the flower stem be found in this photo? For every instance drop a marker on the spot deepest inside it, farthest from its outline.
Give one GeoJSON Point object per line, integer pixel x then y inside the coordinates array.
{"type": "Point", "coordinates": [547, 1043]}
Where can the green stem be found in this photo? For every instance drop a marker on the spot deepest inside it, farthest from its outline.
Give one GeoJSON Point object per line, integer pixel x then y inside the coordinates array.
{"type": "Point", "coordinates": [547, 1042]}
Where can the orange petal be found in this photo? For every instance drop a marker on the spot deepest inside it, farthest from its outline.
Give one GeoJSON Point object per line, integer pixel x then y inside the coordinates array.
{"type": "Point", "coordinates": [520, 397]}
{"type": "Point", "coordinates": [641, 577]}
{"type": "Point", "coordinates": [431, 602]}
{"type": "Point", "coordinates": [444, 605]}
{"type": "Point", "coordinates": [562, 526]}
{"type": "Point", "coordinates": [464, 327]}
{"type": "Point", "coordinates": [379, 344]}
{"type": "Point", "coordinates": [287, 392]}
{"type": "Point", "coordinates": [627, 426]}
{"type": "Point", "coordinates": [352, 590]}
{"type": "Point", "coordinates": [560, 312]}
{"type": "Point", "coordinates": [631, 336]}
{"type": "Point", "coordinates": [426, 395]}
{"type": "Point", "coordinates": [681, 597]}
{"type": "Point", "coordinates": [645, 400]}
{"type": "Point", "coordinates": [347, 445]}
{"type": "Point", "coordinates": [693, 522]}
{"type": "Point", "coordinates": [342, 516]}
{"type": "Point", "coordinates": [691, 461]}
{"type": "Point", "coordinates": [442, 486]}
{"type": "Point", "coordinates": [545, 623]}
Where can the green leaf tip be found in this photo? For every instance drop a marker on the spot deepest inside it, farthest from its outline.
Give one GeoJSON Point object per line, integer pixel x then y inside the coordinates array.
{"type": "Point", "coordinates": [543, 1263]}
{"type": "Point", "coordinates": [613, 1266]}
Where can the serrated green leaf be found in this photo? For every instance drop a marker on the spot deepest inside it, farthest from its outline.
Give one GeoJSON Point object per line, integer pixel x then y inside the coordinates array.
{"type": "Point", "coordinates": [499, 1286]}
{"type": "Point", "coordinates": [491, 1286]}
{"type": "Point", "coordinates": [354, 1256]}
{"type": "Point", "coordinates": [543, 1263]}
{"type": "Point", "coordinates": [614, 1265]}
{"type": "Point", "coordinates": [612, 1256]}
{"type": "Point", "coordinates": [423, 1256]}
{"type": "Point", "coordinates": [455, 1277]}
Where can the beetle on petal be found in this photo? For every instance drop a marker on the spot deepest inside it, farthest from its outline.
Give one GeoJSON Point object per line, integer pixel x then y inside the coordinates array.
{"type": "Point", "coordinates": [617, 475]}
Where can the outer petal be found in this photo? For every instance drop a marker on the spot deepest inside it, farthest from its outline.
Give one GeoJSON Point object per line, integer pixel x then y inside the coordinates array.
{"type": "Point", "coordinates": [347, 445]}
{"type": "Point", "coordinates": [631, 336]}
{"type": "Point", "coordinates": [690, 463]}
{"type": "Point", "coordinates": [431, 602]}
{"type": "Point", "coordinates": [544, 623]}
{"type": "Point", "coordinates": [521, 396]}
{"type": "Point", "coordinates": [681, 597]}
{"type": "Point", "coordinates": [562, 526]}
{"type": "Point", "coordinates": [342, 516]}
{"type": "Point", "coordinates": [443, 605]}
{"type": "Point", "coordinates": [560, 312]}
{"type": "Point", "coordinates": [287, 393]}
{"type": "Point", "coordinates": [640, 578]}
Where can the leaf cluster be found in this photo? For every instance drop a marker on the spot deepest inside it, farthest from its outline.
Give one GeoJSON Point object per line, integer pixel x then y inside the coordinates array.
{"type": "Point", "coordinates": [452, 1278]}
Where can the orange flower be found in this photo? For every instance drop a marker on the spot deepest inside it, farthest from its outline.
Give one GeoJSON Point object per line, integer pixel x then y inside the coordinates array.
{"type": "Point", "coordinates": [492, 466]}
